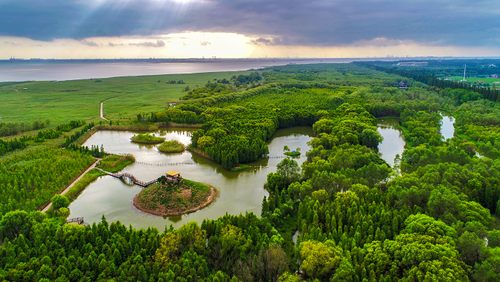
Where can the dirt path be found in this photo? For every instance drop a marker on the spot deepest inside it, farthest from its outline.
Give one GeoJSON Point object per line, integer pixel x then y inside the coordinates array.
{"type": "Point", "coordinates": [72, 184]}
{"type": "Point", "coordinates": [102, 115]}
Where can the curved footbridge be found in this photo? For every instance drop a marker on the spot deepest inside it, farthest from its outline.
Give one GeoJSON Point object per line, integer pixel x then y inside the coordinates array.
{"type": "Point", "coordinates": [131, 178]}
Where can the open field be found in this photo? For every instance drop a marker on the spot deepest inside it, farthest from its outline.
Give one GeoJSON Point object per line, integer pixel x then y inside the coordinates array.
{"type": "Point", "coordinates": [474, 79]}
{"type": "Point", "coordinates": [124, 97]}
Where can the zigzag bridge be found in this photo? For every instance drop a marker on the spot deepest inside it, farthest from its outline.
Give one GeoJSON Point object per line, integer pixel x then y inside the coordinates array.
{"type": "Point", "coordinates": [132, 178]}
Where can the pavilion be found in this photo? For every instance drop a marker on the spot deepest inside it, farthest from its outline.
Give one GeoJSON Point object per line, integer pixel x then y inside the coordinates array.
{"type": "Point", "coordinates": [173, 176]}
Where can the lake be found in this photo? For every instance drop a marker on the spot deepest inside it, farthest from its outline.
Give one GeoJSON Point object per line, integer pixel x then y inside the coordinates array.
{"type": "Point", "coordinates": [67, 70]}
{"type": "Point", "coordinates": [240, 192]}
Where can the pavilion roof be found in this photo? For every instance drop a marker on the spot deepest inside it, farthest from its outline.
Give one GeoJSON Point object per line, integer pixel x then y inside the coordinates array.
{"type": "Point", "coordinates": [173, 173]}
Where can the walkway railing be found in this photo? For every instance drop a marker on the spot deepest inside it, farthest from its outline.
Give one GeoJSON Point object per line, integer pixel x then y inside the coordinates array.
{"type": "Point", "coordinates": [132, 178]}
{"type": "Point", "coordinates": [78, 220]}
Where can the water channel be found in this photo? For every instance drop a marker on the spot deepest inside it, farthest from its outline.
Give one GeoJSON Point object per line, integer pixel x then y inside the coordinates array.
{"type": "Point", "coordinates": [240, 192]}
{"type": "Point", "coordinates": [393, 143]}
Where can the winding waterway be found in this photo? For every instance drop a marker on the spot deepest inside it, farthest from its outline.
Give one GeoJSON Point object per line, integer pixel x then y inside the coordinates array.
{"type": "Point", "coordinates": [393, 143]}
{"type": "Point", "coordinates": [240, 192]}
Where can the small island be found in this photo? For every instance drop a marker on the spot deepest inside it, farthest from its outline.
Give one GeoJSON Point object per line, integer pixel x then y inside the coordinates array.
{"type": "Point", "coordinates": [295, 153]}
{"type": "Point", "coordinates": [146, 139]}
{"type": "Point", "coordinates": [172, 195]}
{"type": "Point", "coordinates": [172, 146]}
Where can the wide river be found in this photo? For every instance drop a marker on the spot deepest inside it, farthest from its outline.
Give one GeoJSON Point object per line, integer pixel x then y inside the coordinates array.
{"type": "Point", "coordinates": [240, 192]}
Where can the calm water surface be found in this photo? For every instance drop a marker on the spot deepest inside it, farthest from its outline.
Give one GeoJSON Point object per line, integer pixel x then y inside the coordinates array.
{"type": "Point", "coordinates": [240, 192]}
{"type": "Point", "coordinates": [42, 71]}
{"type": "Point", "coordinates": [447, 128]}
{"type": "Point", "coordinates": [393, 143]}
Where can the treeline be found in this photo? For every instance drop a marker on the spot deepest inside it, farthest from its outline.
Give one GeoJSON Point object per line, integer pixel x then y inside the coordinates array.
{"type": "Point", "coordinates": [94, 151]}
{"type": "Point", "coordinates": [55, 133]}
{"type": "Point", "coordinates": [12, 145]}
{"type": "Point", "coordinates": [210, 89]}
{"type": "Point", "coordinates": [175, 81]}
{"type": "Point", "coordinates": [432, 80]}
{"type": "Point", "coordinates": [8, 129]}
{"type": "Point", "coordinates": [7, 146]}
{"type": "Point", "coordinates": [479, 122]}
{"type": "Point", "coordinates": [75, 136]}
{"type": "Point", "coordinates": [221, 250]}
{"type": "Point", "coordinates": [224, 86]}
{"type": "Point", "coordinates": [243, 79]}
{"type": "Point", "coordinates": [30, 178]}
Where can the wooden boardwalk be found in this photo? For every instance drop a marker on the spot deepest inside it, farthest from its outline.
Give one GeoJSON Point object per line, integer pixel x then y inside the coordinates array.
{"type": "Point", "coordinates": [193, 163]}
{"type": "Point", "coordinates": [166, 164]}
{"type": "Point", "coordinates": [132, 178]}
{"type": "Point", "coordinates": [78, 220]}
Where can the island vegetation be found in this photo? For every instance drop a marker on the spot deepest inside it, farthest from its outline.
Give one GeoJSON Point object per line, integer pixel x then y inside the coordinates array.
{"type": "Point", "coordinates": [146, 138]}
{"type": "Point", "coordinates": [295, 153]}
{"type": "Point", "coordinates": [115, 163]}
{"type": "Point", "coordinates": [172, 146]}
{"type": "Point", "coordinates": [167, 198]}
{"type": "Point", "coordinates": [433, 216]}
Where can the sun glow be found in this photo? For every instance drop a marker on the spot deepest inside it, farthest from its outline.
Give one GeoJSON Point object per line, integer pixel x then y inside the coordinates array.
{"type": "Point", "coordinates": [210, 45]}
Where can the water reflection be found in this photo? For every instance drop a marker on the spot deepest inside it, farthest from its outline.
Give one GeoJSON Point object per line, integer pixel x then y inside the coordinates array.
{"type": "Point", "coordinates": [393, 143]}
{"type": "Point", "coordinates": [240, 192]}
{"type": "Point", "coordinates": [447, 127]}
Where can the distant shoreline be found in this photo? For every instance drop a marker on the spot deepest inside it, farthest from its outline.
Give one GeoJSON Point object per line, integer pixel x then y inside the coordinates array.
{"type": "Point", "coordinates": [66, 70]}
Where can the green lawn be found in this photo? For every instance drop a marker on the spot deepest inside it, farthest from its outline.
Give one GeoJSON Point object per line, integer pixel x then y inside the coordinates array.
{"type": "Point", "coordinates": [124, 97]}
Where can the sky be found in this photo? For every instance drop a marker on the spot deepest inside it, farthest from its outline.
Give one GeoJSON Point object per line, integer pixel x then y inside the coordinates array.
{"type": "Point", "coordinates": [63, 29]}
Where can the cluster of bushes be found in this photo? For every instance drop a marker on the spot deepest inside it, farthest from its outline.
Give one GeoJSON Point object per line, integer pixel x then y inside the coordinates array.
{"type": "Point", "coordinates": [8, 129]}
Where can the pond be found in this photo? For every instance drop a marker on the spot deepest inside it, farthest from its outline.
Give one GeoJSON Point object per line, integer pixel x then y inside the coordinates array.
{"type": "Point", "coordinates": [393, 143]}
{"type": "Point", "coordinates": [240, 192]}
{"type": "Point", "coordinates": [447, 127]}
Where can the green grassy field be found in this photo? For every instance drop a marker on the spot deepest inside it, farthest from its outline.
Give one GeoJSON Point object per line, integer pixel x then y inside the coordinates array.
{"type": "Point", "coordinates": [124, 97]}
{"type": "Point", "coordinates": [490, 81]}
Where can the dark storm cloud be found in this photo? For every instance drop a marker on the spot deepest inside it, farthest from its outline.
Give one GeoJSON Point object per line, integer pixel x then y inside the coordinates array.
{"type": "Point", "coordinates": [273, 22]}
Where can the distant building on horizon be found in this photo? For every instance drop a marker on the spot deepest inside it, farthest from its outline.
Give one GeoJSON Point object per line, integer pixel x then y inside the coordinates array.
{"type": "Point", "coordinates": [413, 64]}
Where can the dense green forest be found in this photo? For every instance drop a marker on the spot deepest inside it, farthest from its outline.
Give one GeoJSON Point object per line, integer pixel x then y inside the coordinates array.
{"type": "Point", "coordinates": [344, 215]}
